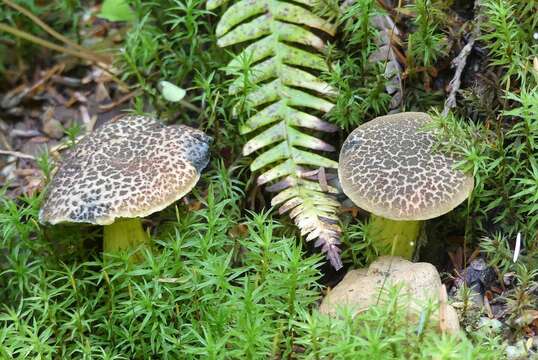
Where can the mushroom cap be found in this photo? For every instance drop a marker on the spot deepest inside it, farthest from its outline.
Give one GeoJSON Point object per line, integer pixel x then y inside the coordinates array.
{"type": "Point", "coordinates": [127, 168]}
{"type": "Point", "coordinates": [388, 167]}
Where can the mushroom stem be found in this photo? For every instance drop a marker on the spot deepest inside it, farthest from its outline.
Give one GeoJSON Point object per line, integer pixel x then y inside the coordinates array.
{"type": "Point", "coordinates": [394, 237]}
{"type": "Point", "coordinates": [124, 234]}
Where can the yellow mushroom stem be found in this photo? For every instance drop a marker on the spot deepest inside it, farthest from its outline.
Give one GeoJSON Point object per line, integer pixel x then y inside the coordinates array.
{"type": "Point", "coordinates": [394, 237]}
{"type": "Point", "coordinates": [125, 235]}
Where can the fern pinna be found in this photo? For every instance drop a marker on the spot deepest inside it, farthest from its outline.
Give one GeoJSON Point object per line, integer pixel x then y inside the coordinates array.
{"type": "Point", "coordinates": [282, 48]}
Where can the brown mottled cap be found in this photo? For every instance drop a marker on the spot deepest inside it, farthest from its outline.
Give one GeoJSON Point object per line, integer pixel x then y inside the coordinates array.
{"type": "Point", "coordinates": [128, 168]}
{"type": "Point", "coordinates": [388, 167]}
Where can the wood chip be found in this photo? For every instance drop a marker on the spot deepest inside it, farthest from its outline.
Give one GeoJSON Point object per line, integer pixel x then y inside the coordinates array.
{"type": "Point", "coordinates": [24, 133]}
{"type": "Point", "coordinates": [16, 154]}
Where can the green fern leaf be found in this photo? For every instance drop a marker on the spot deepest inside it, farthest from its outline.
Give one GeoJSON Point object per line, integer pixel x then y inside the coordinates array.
{"type": "Point", "coordinates": [285, 51]}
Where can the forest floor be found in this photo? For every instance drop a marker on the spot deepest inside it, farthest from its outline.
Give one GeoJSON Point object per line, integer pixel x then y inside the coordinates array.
{"type": "Point", "coordinates": [451, 60]}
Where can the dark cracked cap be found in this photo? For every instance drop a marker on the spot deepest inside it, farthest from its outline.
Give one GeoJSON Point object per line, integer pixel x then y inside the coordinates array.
{"type": "Point", "coordinates": [128, 168]}
{"type": "Point", "coordinates": [388, 167]}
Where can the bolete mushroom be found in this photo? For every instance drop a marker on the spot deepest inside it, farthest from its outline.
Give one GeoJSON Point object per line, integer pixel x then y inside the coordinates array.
{"type": "Point", "coordinates": [123, 171]}
{"type": "Point", "coordinates": [389, 167]}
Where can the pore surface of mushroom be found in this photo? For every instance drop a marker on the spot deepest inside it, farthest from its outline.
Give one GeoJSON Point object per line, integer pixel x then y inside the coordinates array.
{"type": "Point", "coordinates": [125, 170]}
{"type": "Point", "coordinates": [389, 167]}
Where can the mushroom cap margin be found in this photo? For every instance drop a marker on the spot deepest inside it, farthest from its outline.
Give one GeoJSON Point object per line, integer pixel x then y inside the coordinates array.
{"type": "Point", "coordinates": [127, 168]}
{"type": "Point", "coordinates": [388, 168]}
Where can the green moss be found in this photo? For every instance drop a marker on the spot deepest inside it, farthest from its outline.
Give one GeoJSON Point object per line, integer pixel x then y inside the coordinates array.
{"type": "Point", "coordinates": [208, 291]}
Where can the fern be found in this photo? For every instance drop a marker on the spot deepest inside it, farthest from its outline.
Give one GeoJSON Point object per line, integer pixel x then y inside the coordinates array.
{"type": "Point", "coordinates": [386, 53]}
{"type": "Point", "coordinates": [282, 47]}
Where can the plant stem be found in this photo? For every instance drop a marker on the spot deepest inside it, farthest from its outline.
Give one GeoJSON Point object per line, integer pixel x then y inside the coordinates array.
{"type": "Point", "coordinates": [47, 28]}
{"type": "Point", "coordinates": [393, 237]}
{"type": "Point", "coordinates": [41, 42]}
{"type": "Point", "coordinates": [66, 50]}
{"type": "Point", "coordinates": [124, 234]}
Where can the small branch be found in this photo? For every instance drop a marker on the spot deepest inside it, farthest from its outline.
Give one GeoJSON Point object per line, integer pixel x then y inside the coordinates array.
{"type": "Point", "coordinates": [191, 106]}
{"type": "Point", "coordinates": [461, 60]}
{"type": "Point", "coordinates": [50, 30]}
{"type": "Point", "coordinates": [47, 44]}
{"type": "Point", "coordinates": [66, 50]}
{"type": "Point", "coordinates": [459, 63]}
{"type": "Point", "coordinates": [17, 154]}
{"type": "Point", "coordinates": [112, 105]}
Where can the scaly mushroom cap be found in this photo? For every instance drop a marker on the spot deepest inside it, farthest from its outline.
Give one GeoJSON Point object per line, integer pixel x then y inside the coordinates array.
{"type": "Point", "coordinates": [388, 167]}
{"type": "Point", "coordinates": [128, 168]}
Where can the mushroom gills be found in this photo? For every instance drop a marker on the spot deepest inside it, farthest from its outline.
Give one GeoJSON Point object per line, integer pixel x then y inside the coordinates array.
{"type": "Point", "coordinates": [395, 237]}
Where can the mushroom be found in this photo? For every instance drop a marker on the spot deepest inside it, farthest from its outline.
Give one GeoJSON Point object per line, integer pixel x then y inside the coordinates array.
{"type": "Point", "coordinates": [388, 167]}
{"type": "Point", "coordinates": [123, 171]}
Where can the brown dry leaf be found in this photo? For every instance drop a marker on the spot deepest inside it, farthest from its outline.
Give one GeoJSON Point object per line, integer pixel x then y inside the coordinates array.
{"type": "Point", "coordinates": [487, 307]}
{"type": "Point", "coordinates": [354, 211]}
{"type": "Point", "coordinates": [33, 185]}
{"type": "Point", "coordinates": [193, 205]}
{"type": "Point", "coordinates": [456, 257]}
{"type": "Point", "coordinates": [237, 231]}
{"type": "Point", "coordinates": [112, 105]}
{"type": "Point", "coordinates": [528, 317]}
{"type": "Point", "coordinates": [15, 96]}
{"type": "Point", "coordinates": [101, 93]}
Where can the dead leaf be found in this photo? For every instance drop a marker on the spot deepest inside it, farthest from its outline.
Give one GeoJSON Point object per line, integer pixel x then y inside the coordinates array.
{"type": "Point", "coordinates": [527, 317]}
{"type": "Point", "coordinates": [487, 307]}
{"type": "Point", "coordinates": [237, 231]}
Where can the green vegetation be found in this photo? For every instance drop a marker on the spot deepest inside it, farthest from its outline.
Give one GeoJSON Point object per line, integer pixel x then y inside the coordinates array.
{"type": "Point", "coordinates": [225, 282]}
{"type": "Point", "coordinates": [283, 101]}
{"type": "Point", "coordinates": [359, 82]}
{"type": "Point", "coordinates": [426, 44]}
{"type": "Point", "coordinates": [204, 292]}
{"type": "Point", "coordinates": [62, 15]}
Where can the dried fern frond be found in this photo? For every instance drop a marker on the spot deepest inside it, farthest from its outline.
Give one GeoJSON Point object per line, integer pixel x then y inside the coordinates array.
{"type": "Point", "coordinates": [388, 35]}
{"type": "Point", "coordinates": [286, 55]}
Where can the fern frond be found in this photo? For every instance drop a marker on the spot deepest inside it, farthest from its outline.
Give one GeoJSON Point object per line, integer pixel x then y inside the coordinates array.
{"type": "Point", "coordinates": [388, 35]}
{"type": "Point", "coordinates": [287, 94]}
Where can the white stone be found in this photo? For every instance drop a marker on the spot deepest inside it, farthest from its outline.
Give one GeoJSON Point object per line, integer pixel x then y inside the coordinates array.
{"type": "Point", "coordinates": [360, 288]}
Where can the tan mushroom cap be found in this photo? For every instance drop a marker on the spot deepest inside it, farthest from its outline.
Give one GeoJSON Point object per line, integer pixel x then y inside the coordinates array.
{"type": "Point", "coordinates": [388, 167]}
{"type": "Point", "coordinates": [127, 168]}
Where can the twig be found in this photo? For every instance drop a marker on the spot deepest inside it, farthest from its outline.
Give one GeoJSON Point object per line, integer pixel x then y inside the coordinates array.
{"type": "Point", "coordinates": [459, 63]}
{"type": "Point", "coordinates": [14, 97]}
{"type": "Point", "coordinates": [110, 106]}
{"type": "Point", "coordinates": [41, 42]}
{"type": "Point", "coordinates": [461, 60]}
{"type": "Point", "coordinates": [17, 154]}
{"type": "Point", "coordinates": [50, 30]}
{"type": "Point", "coordinates": [24, 133]}
{"type": "Point", "coordinates": [74, 52]}
{"type": "Point", "coordinates": [193, 107]}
